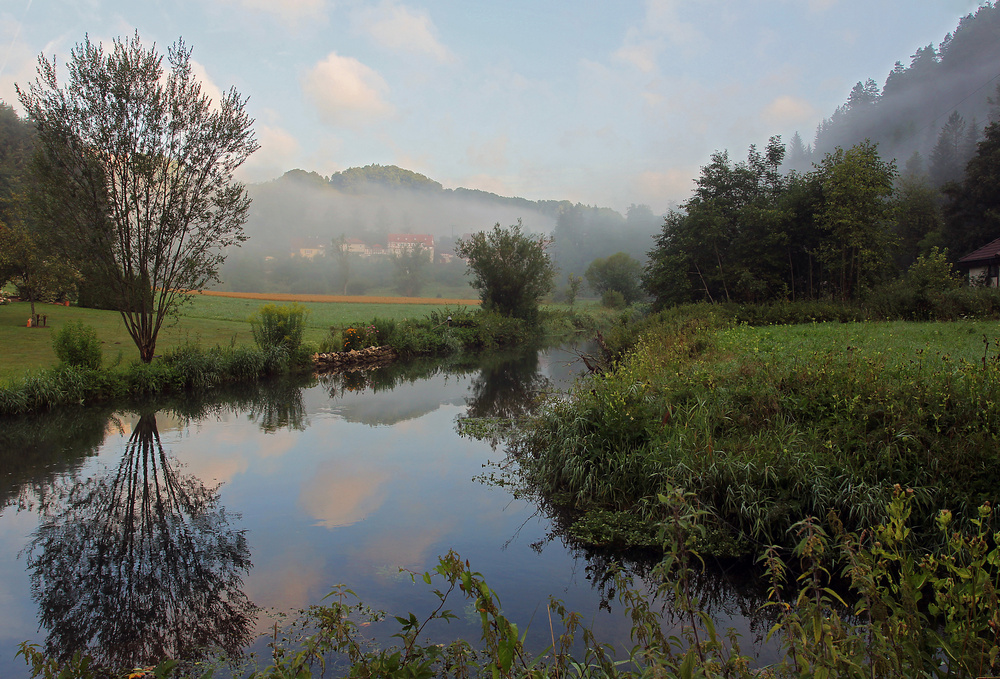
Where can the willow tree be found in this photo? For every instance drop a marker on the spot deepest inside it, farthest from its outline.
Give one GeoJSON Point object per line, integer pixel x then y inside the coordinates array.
{"type": "Point", "coordinates": [135, 168]}
{"type": "Point", "coordinates": [511, 269]}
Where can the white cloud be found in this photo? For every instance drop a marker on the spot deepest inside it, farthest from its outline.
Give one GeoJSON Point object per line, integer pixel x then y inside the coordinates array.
{"type": "Point", "coordinates": [277, 154]}
{"type": "Point", "coordinates": [660, 30]}
{"type": "Point", "coordinates": [640, 52]}
{"type": "Point", "coordinates": [289, 11]}
{"type": "Point", "coordinates": [671, 185]}
{"type": "Point", "coordinates": [17, 63]}
{"type": "Point", "coordinates": [402, 29]}
{"type": "Point", "coordinates": [788, 110]}
{"type": "Point", "coordinates": [492, 154]}
{"type": "Point", "coordinates": [345, 91]}
{"type": "Point", "coordinates": [208, 87]}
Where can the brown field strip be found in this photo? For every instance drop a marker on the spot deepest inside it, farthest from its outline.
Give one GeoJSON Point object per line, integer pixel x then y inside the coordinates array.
{"type": "Point", "coordinates": [357, 299]}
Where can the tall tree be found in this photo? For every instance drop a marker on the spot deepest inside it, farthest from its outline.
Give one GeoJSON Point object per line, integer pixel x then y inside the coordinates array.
{"type": "Point", "coordinates": [857, 185]}
{"type": "Point", "coordinates": [972, 211]}
{"type": "Point", "coordinates": [618, 273]}
{"type": "Point", "coordinates": [137, 167]}
{"type": "Point", "coordinates": [947, 156]}
{"type": "Point", "coordinates": [409, 270]}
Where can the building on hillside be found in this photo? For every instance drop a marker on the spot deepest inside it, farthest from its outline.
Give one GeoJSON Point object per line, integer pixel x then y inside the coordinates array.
{"type": "Point", "coordinates": [356, 245]}
{"type": "Point", "coordinates": [308, 247]}
{"type": "Point", "coordinates": [983, 265]}
{"type": "Point", "coordinates": [398, 243]}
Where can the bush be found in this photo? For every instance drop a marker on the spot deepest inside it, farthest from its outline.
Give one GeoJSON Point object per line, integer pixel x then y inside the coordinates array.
{"type": "Point", "coordinates": [77, 345]}
{"type": "Point", "coordinates": [279, 326]}
{"type": "Point", "coordinates": [612, 299]}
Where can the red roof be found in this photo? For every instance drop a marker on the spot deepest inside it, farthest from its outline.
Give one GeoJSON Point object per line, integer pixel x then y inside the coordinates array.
{"type": "Point", "coordinates": [985, 253]}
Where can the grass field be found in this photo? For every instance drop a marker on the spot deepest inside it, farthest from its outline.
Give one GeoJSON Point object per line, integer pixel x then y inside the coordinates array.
{"type": "Point", "coordinates": [208, 320]}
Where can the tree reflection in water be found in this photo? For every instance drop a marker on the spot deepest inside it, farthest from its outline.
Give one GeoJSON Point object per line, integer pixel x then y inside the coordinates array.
{"type": "Point", "coordinates": [140, 564]}
{"type": "Point", "coordinates": [507, 387]}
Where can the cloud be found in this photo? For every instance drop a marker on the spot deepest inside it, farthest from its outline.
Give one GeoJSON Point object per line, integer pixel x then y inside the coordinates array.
{"type": "Point", "coordinates": [401, 29]}
{"type": "Point", "coordinates": [492, 154]}
{"type": "Point", "coordinates": [208, 87]}
{"type": "Point", "coordinates": [345, 91]}
{"type": "Point", "coordinates": [640, 52]}
{"type": "Point", "coordinates": [661, 28]}
{"type": "Point", "coordinates": [278, 153]}
{"type": "Point", "coordinates": [788, 110]}
{"type": "Point", "coordinates": [289, 11]}
{"type": "Point", "coordinates": [344, 492]}
{"type": "Point", "coordinates": [17, 63]}
{"type": "Point", "coordinates": [670, 185]}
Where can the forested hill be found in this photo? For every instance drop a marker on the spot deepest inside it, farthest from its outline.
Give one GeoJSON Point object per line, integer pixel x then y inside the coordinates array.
{"type": "Point", "coordinates": [372, 201]}
{"type": "Point", "coordinates": [379, 178]}
{"type": "Point", "coordinates": [929, 114]}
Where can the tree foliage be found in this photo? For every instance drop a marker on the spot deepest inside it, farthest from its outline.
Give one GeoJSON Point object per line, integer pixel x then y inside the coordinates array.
{"type": "Point", "coordinates": [751, 234]}
{"type": "Point", "coordinates": [857, 185]}
{"type": "Point", "coordinates": [511, 270]}
{"type": "Point", "coordinates": [972, 213]}
{"type": "Point", "coordinates": [136, 167]}
{"type": "Point", "coordinates": [409, 270]}
{"type": "Point", "coordinates": [619, 273]}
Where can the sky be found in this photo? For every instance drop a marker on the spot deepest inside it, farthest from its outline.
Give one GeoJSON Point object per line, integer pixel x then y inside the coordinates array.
{"type": "Point", "coordinates": [601, 103]}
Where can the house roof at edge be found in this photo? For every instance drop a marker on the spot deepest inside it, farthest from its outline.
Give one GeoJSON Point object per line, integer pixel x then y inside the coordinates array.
{"type": "Point", "coordinates": [989, 251]}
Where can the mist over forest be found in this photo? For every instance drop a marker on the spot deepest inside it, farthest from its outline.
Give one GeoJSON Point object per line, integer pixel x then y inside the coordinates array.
{"type": "Point", "coordinates": [370, 203]}
{"type": "Point", "coordinates": [928, 116]}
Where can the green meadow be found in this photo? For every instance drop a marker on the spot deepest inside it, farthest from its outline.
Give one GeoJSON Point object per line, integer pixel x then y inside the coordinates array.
{"type": "Point", "coordinates": [206, 321]}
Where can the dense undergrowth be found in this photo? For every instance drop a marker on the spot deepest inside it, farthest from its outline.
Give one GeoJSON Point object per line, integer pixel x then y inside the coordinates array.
{"type": "Point", "coordinates": [766, 426]}
{"type": "Point", "coordinates": [450, 330]}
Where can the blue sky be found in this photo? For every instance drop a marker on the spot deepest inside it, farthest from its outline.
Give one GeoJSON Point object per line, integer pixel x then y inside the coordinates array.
{"type": "Point", "coordinates": [594, 102]}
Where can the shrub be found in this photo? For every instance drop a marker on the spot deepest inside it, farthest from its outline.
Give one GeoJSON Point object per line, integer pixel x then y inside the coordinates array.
{"type": "Point", "coordinates": [613, 299]}
{"type": "Point", "coordinates": [359, 337]}
{"type": "Point", "coordinates": [279, 326]}
{"type": "Point", "coordinates": [77, 345]}
{"type": "Point", "coordinates": [384, 329]}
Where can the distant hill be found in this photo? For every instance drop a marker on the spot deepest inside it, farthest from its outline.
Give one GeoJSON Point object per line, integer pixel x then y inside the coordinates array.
{"type": "Point", "coordinates": [371, 201]}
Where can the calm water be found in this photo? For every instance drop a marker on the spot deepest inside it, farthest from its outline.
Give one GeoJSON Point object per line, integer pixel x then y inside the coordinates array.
{"type": "Point", "coordinates": [157, 530]}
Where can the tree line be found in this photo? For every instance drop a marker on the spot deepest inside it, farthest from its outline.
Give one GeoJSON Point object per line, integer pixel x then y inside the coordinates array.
{"type": "Point", "coordinates": [752, 233]}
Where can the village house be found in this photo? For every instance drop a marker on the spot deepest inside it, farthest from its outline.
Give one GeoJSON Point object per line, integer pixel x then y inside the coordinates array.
{"type": "Point", "coordinates": [399, 243]}
{"type": "Point", "coordinates": [983, 265]}
{"type": "Point", "coordinates": [308, 247]}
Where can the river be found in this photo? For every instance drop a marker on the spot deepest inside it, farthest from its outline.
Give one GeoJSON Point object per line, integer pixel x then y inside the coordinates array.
{"type": "Point", "coordinates": [168, 526]}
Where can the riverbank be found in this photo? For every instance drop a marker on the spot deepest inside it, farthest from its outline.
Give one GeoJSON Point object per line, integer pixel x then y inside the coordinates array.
{"type": "Point", "coordinates": [766, 426]}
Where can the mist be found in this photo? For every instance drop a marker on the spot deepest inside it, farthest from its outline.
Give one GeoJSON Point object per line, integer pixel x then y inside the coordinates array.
{"type": "Point", "coordinates": [295, 220]}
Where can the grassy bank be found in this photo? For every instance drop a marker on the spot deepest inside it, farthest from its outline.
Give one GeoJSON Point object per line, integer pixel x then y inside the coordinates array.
{"type": "Point", "coordinates": [769, 425]}
{"type": "Point", "coordinates": [207, 321]}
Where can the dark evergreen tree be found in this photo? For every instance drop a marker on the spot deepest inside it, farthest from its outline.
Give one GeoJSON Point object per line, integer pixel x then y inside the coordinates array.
{"type": "Point", "coordinates": [972, 211]}
{"type": "Point", "coordinates": [946, 158]}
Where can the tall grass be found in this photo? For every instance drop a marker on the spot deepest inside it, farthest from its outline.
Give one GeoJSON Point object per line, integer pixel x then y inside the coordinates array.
{"type": "Point", "coordinates": [766, 428]}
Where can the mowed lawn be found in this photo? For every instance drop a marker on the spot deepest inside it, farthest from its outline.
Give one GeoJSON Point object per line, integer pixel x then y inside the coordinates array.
{"type": "Point", "coordinates": [207, 320]}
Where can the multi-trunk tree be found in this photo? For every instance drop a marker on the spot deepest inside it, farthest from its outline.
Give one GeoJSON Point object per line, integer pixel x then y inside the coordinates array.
{"type": "Point", "coordinates": [135, 167]}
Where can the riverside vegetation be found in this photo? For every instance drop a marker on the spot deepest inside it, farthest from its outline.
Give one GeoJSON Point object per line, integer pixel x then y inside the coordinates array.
{"type": "Point", "coordinates": [827, 452]}
{"type": "Point", "coordinates": [280, 346]}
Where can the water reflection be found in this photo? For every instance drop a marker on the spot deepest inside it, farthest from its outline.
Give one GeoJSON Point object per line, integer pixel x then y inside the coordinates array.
{"type": "Point", "coordinates": [140, 562]}
{"type": "Point", "coordinates": [506, 387]}
{"type": "Point", "coordinates": [341, 478]}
